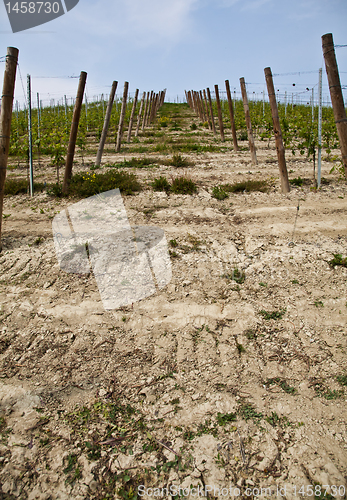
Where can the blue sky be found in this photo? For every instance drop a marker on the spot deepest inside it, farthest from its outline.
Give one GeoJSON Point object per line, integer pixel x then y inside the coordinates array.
{"type": "Point", "coordinates": [178, 45]}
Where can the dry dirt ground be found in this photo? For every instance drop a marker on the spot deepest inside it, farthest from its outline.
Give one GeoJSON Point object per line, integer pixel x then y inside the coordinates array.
{"type": "Point", "coordinates": [217, 387]}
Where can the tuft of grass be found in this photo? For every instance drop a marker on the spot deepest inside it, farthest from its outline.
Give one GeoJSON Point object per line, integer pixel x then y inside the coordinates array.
{"type": "Point", "coordinates": [137, 163]}
{"type": "Point", "coordinates": [297, 181]}
{"type": "Point", "coordinates": [338, 260]}
{"type": "Point", "coordinates": [224, 418]}
{"type": "Point", "coordinates": [273, 314]}
{"type": "Point", "coordinates": [178, 161]}
{"type": "Point", "coordinates": [183, 185]}
{"type": "Point", "coordinates": [161, 184]}
{"type": "Point", "coordinates": [219, 193]}
{"type": "Point", "coordinates": [248, 186]}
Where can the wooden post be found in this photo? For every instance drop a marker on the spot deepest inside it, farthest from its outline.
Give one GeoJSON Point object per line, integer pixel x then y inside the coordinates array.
{"type": "Point", "coordinates": [150, 104]}
{"type": "Point", "coordinates": [5, 119]}
{"type": "Point", "coordinates": [73, 132]}
{"type": "Point", "coordinates": [193, 100]}
{"type": "Point", "coordinates": [336, 94]}
{"type": "Point", "coordinates": [150, 118]}
{"type": "Point", "coordinates": [277, 131]}
{"type": "Point", "coordinates": [122, 117]}
{"type": "Point", "coordinates": [149, 108]}
{"type": "Point", "coordinates": [220, 118]}
{"type": "Point", "coordinates": [202, 106]}
{"type": "Point", "coordinates": [211, 110]}
{"type": "Point", "coordinates": [139, 115]}
{"type": "Point", "coordinates": [163, 97]}
{"type": "Point", "coordinates": [207, 113]}
{"type": "Point", "coordinates": [190, 100]}
{"type": "Point", "coordinates": [154, 108]}
{"type": "Point", "coordinates": [199, 106]}
{"type": "Point", "coordinates": [196, 109]}
{"type": "Point", "coordinates": [132, 115]}
{"type": "Point", "coordinates": [106, 124]}
{"type": "Point", "coordinates": [248, 122]}
{"type": "Point", "coordinates": [231, 113]}
{"type": "Point", "coordinates": [145, 113]}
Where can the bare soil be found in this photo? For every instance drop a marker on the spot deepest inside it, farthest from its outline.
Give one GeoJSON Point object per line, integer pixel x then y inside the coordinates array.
{"type": "Point", "coordinates": [213, 382]}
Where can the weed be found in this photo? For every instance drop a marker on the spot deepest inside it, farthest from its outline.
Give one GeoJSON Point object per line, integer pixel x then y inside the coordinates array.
{"type": "Point", "coordinates": [246, 186]}
{"type": "Point", "coordinates": [318, 303]}
{"type": "Point", "coordinates": [263, 284]}
{"type": "Point", "coordinates": [20, 186]}
{"type": "Point", "coordinates": [193, 126]}
{"type": "Point", "coordinates": [338, 260]}
{"type": "Point", "coordinates": [219, 193]}
{"type": "Point", "coordinates": [164, 121]}
{"type": "Point", "coordinates": [188, 435]}
{"type": "Point", "coordinates": [295, 282]}
{"type": "Point", "coordinates": [173, 243]}
{"type": "Point", "coordinates": [236, 275]}
{"type": "Point", "coordinates": [88, 184]}
{"type": "Point", "coordinates": [247, 411]}
{"type": "Point", "coordinates": [273, 314]}
{"type": "Point", "coordinates": [178, 161]}
{"type": "Point", "coordinates": [240, 348]}
{"type": "Point", "coordinates": [243, 136]}
{"type": "Point", "coordinates": [273, 419]}
{"type": "Point", "coordinates": [342, 379]}
{"type": "Point", "coordinates": [161, 184]}
{"type": "Point", "coordinates": [251, 334]}
{"type": "Point", "coordinates": [323, 391]}
{"type": "Point", "coordinates": [297, 181]}
{"type": "Point", "coordinates": [71, 462]}
{"type": "Point", "coordinates": [137, 163]}
{"type": "Point", "coordinates": [282, 383]}
{"type": "Point", "coordinates": [183, 185]}
{"type": "Point", "coordinates": [94, 450]}
{"type": "Point", "coordinates": [224, 418]}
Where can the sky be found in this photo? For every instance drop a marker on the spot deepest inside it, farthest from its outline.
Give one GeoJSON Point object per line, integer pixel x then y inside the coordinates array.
{"type": "Point", "coordinates": [179, 45]}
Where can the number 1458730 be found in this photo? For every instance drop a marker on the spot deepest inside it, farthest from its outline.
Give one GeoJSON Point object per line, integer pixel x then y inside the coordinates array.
{"type": "Point", "coordinates": [33, 7]}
